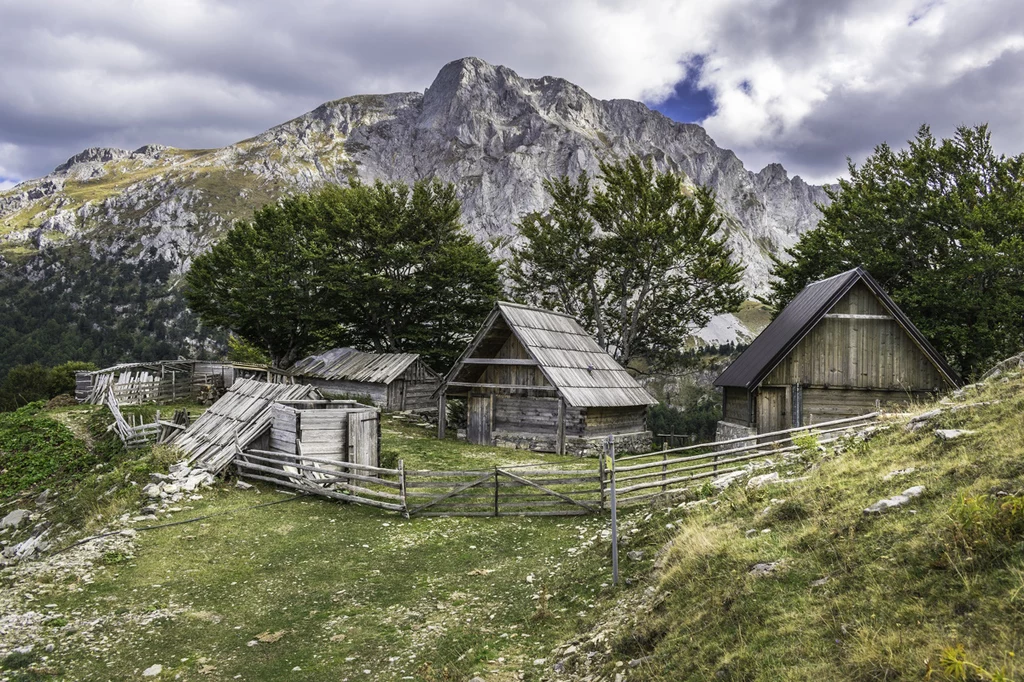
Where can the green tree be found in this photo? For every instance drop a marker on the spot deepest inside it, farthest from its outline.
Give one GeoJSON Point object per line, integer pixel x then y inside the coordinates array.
{"type": "Point", "coordinates": [266, 280]}
{"type": "Point", "coordinates": [405, 276]}
{"type": "Point", "coordinates": [62, 377]}
{"type": "Point", "coordinates": [939, 225]}
{"type": "Point", "coordinates": [382, 267]}
{"type": "Point", "coordinates": [24, 384]}
{"type": "Point", "coordinates": [640, 262]}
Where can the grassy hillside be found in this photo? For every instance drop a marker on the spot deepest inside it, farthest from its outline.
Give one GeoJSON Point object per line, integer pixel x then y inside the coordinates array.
{"type": "Point", "coordinates": [784, 582]}
{"type": "Point", "coordinates": [932, 590]}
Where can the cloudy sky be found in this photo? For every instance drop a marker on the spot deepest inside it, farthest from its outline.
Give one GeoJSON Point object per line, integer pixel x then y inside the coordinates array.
{"type": "Point", "coordinates": [803, 82]}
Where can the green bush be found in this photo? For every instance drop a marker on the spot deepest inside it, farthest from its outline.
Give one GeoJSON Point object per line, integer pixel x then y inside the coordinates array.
{"type": "Point", "coordinates": [26, 384]}
{"type": "Point", "coordinates": [984, 529]}
{"type": "Point", "coordinates": [62, 377]}
{"type": "Point", "coordinates": [34, 447]}
{"type": "Point", "coordinates": [697, 419]}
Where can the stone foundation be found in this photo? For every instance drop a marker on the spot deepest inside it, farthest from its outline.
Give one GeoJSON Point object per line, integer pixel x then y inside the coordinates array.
{"type": "Point", "coordinates": [640, 441]}
{"type": "Point", "coordinates": [729, 430]}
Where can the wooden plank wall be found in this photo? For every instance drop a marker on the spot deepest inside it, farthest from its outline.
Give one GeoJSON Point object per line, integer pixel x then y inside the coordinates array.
{"type": "Point", "coordinates": [517, 414]}
{"type": "Point", "coordinates": [518, 375]}
{"type": "Point", "coordinates": [822, 404]}
{"type": "Point", "coordinates": [378, 393]}
{"type": "Point", "coordinates": [858, 353]}
{"type": "Point", "coordinates": [604, 421]}
{"type": "Point", "coordinates": [283, 428]}
{"type": "Point", "coordinates": [737, 409]}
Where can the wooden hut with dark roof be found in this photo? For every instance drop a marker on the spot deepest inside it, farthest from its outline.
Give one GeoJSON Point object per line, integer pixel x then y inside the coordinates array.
{"type": "Point", "coordinates": [841, 348]}
{"type": "Point", "coordinates": [393, 381]}
{"type": "Point", "coordinates": [534, 379]}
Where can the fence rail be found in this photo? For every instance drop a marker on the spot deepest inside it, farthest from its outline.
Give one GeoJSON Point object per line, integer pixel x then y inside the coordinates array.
{"type": "Point", "coordinates": [531, 489]}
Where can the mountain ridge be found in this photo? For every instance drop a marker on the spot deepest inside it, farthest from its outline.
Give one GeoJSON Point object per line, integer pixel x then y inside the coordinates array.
{"type": "Point", "coordinates": [491, 132]}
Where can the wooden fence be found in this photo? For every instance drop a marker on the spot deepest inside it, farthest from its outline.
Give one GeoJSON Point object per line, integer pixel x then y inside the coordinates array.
{"type": "Point", "coordinates": [532, 489]}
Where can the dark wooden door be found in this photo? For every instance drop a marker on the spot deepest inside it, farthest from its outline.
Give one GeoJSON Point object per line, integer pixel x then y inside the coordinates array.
{"type": "Point", "coordinates": [771, 410]}
{"type": "Point", "coordinates": [479, 419]}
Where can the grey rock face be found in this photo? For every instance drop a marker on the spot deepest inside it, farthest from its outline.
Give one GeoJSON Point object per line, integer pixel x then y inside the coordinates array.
{"type": "Point", "coordinates": [895, 501]}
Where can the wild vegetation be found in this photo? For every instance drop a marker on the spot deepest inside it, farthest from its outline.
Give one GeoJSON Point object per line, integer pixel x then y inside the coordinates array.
{"type": "Point", "coordinates": [940, 225]}
{"type": "Point", "coordinates": [641, 262]}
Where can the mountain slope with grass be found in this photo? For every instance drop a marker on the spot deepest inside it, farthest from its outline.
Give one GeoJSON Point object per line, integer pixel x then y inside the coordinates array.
{"type": "Point", "coordinates": [760, 581]}
{"type": "Point", "coordinates": [797, 582]}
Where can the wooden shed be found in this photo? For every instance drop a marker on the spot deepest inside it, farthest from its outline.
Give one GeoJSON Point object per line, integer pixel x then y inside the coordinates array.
{"type": "Point", "coordinates": [335, 429]}
{"type": "Point", "coordinates": [393, 381]}
{"type": "Point", "coordinates": [535, 379]}
{"type": "Point", "coordinates": [841, 348]}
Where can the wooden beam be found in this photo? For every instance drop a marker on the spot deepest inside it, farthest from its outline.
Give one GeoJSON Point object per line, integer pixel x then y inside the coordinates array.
{"type": "Point", "coordinates": [466, 384]}
{"type": "Point", "coordinates": [516, 362]}
{"type": "Point", "coordinates": [560, 425]}
{"type": "Point", "coordinates": [857, 316]}
{"type": "Point", "coordinates": [442, 414]}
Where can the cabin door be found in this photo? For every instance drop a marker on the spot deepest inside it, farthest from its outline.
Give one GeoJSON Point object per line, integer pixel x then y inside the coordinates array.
{"type": "Point", "coordinates": [480, 418]}
{"type": "Point", "coordinates": [362, 438]}
{"type": "Point", "coordinates": [771, 410]}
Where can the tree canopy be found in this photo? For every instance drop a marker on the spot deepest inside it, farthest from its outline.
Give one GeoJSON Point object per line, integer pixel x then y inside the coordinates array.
{"type": "Point", "coordinates": [639, 261]}
{"type": "Point", "coordinates": [382, 267]}
{"type": "Point", "coordinates": [939, 225]}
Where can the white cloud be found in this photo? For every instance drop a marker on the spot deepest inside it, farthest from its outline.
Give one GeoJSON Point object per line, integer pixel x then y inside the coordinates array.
{"type": "Point", "coordinates": [803, 82]}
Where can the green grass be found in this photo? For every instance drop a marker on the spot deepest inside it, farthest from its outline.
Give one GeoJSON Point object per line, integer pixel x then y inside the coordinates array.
{"type": "Point", "coordinates": [340, 588]}
{"type": "Point", "coordinates": [754, 315]}
{"type": "Point", "coordinates": [899, 590]}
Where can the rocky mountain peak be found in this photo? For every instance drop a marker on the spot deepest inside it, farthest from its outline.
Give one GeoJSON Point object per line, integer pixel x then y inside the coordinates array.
{"type": "Point", "coordinates": [93, 155]}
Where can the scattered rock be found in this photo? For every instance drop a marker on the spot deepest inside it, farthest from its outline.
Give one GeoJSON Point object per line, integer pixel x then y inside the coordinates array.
{"type": "Point", "coordinates": [951, 434]}
{"type": "Point", "coordinates": [44, 497]}
{"type": "Point", "coordinates": [179, 469]}
{"type": "Point", "coordinates": [725, 480]}
{"type": "Point", "coordinates": [540, 661]}
{"type": "Point", "coordinates": [762, 480]}
{"type": "Point", "coordinates": [152, 490]}
{"type": "Point", "coordinates": [14, 519]}
{"type": "Point", "coordinates": [898, 472]}
{"type": "Point", "coordinates": [762, 570]}
{"type": "Point", "coordinates": [635, 555]}
{"type": "Point", "coordinates": [819, 582]}
{"type": "Point", "coordinates": [895, 501]}
{"type": "Point", "coordinates": [153, 670]}
{"type": "Point", "coordinates": [158, 478]}
{"type": "Point", "coordinates": [751, 533]}
{"type": "Point", "coordinates": [242, 485]}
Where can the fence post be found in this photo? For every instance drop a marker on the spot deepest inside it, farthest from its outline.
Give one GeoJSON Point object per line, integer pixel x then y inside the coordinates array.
{"type": "Point", "coordinates": [615, 521]}
{"type": "Point", "coordinates": [401, 481]}
{"type": "Point", "coordinates": [495, 491]}
{"type": "Point", "coordinates": [664, 469]}
{"type": "Point", "coordinates": [601, 474]}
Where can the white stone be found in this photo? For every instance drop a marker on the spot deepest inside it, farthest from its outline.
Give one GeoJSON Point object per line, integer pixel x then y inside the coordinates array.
{"type": "Point", "coordinates": [15, 518]}
{"type": "Point", "coordinates": [895, 501]}
{"type": "Point", "coordinates": [153, 670]}
{"type": "Point", "coordinates": [762, 480]}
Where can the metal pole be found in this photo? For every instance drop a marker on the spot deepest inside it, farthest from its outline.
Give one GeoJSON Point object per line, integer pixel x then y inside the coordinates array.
{"type": "Point", "coordinates": [615, 521]}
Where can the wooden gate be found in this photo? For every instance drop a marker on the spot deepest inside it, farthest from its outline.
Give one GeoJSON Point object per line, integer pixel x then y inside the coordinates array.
{"type": "Point", "coordinates": [509, 491]}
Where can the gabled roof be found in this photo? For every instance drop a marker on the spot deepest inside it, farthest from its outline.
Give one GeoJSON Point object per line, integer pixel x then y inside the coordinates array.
{"type": "Point", "coordinates": [801, 315]}
{"type": "Point", "coordinates": [569, 358]}
{"type": "Point", "coordinates": [348, 364]}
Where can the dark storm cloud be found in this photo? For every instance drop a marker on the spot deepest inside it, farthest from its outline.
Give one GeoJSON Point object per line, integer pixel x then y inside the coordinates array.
{"type": "Point", "coordinates": [803, 82]}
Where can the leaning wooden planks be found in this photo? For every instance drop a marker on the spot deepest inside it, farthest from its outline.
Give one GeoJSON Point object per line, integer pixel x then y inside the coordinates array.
{"type": "Point", "coordinates": [241, 416]}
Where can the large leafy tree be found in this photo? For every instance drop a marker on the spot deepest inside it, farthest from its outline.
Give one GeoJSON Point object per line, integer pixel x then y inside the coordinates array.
{"type": "Point", "coordinates": [383, 267]}
{"type": "Point", "coordinates": [939, 224]}
{"type": "Point", "coordinates": [266, 281]}
{"type": "Point", "coordinates": [640, 261]}
{"type": "Point", "coordinates": [405, 275]}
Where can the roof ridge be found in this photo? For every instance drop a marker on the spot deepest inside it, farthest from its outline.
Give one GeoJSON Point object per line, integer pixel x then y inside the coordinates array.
{"type": "Point", "coordinates": [547, 311]}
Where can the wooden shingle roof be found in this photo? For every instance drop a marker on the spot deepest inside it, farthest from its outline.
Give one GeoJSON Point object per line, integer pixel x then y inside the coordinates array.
{"type": "Point", "coordinates": [348, 364]}
{"type": "Point", "coordinates": [569, 358]}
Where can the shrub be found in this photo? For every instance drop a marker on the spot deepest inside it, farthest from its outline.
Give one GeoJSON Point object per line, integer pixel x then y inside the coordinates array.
{"type": "Point", "coordinates": [985, 529]}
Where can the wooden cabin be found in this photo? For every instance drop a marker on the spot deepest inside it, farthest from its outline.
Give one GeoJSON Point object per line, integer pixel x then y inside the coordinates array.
{"type": "Point", "coordinates": [841, 348]}
{"type": "Point", "coordinates": [534, 379]}
{"type": "Point", "coordinates": [393, 381]}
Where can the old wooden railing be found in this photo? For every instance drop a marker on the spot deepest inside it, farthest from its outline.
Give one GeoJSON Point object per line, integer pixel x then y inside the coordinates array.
{"type": "Point", "coordinates": [531, 489]}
